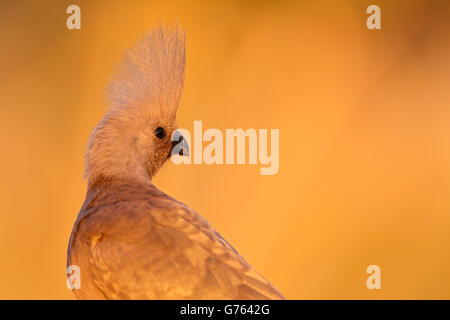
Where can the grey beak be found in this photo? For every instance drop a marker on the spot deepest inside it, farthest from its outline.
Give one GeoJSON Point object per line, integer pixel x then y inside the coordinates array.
{"type": "Point", "coordinates": [179, 145]}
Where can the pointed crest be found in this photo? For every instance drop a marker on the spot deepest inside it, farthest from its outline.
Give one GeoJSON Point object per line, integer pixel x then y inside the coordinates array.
{"type": "Point", "coordinates": [151, 73]}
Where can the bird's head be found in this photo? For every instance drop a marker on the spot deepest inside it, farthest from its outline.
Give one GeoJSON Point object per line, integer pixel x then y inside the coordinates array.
{"type": "Point", "coordinates": [139, 134]}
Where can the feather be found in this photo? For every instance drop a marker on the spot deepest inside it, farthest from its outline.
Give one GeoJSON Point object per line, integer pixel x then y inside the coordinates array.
{"type": "Point", "coordinates": [151, 73]}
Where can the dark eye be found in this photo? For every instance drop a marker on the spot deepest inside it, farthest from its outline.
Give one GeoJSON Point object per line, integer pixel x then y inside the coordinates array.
{"type": "Point", "coordinates": [160, 133]}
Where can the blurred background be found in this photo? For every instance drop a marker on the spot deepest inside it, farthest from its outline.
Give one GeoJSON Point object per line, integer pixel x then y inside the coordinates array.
{"type": "Point", "coordinates": [364, 137]}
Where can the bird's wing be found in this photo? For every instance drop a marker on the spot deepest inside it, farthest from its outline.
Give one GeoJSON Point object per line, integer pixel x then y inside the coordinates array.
{"type": "Point", "coordinates": [165, 250]}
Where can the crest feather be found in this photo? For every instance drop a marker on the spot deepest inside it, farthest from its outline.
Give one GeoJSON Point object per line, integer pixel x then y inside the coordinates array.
{"type": "Point", "coordinates": [151, 72]}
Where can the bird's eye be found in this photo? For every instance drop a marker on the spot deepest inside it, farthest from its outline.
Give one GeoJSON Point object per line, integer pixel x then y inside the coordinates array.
{"type": "Point", "coordinates": [160, 133]}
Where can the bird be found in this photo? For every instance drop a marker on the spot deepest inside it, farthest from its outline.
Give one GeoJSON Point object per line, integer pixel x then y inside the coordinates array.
{"type": "Point", "coordinates": [130, 240]}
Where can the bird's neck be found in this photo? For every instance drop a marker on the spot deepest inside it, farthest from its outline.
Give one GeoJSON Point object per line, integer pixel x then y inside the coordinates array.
{"type": "Point", "coordinates": [112, 154]}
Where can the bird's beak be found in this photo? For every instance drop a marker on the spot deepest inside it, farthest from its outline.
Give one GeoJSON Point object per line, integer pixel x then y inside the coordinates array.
{"type": "Point", "coordinates": [179, 145]}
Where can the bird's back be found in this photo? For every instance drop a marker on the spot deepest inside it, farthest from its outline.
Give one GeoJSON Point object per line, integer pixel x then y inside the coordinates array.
{"type": "Point", "coordinates": [132, 241]}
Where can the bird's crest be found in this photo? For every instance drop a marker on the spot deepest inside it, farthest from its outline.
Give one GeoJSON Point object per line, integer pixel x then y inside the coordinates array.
{"type": "Point", "coordinates": [151, 73]}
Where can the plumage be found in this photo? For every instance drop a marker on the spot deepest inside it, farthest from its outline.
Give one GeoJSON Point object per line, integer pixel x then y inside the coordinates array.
{"type": "Point", "coordinates": [130, 240]}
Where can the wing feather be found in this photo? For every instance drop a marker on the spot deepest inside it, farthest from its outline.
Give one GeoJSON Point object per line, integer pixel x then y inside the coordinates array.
{"type": "Point", "coordinates": [165, 250]}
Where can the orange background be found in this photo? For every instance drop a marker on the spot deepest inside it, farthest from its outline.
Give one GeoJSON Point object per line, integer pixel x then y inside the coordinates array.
{"type": "Point", "coordinates": [364, 137]}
